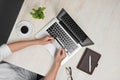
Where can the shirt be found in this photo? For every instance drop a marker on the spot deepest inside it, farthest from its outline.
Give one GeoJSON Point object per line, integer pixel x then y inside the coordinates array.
{"type": "Point", "coordinates": [12, 72]}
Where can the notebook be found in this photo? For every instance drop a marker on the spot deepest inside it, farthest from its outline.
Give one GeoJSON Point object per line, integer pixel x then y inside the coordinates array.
{"type": "Point", "coordinates": [89, 61]}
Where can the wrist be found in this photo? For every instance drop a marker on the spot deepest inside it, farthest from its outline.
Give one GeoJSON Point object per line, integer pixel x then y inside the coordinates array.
{"type": "Point", "coordinates": [36, 42]}
{"type": "Point", "coordinates": [56, 63]}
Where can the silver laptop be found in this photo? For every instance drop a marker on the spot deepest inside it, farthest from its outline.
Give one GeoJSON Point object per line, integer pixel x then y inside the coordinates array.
{"type": "Point", "coordinates": [67, 34]}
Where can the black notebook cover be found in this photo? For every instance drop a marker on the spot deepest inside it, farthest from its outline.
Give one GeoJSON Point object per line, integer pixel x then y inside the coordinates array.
{"type": "Point", "coordinates": [89, 61]}
{"type": "Point", "coordinates": [9, 10]}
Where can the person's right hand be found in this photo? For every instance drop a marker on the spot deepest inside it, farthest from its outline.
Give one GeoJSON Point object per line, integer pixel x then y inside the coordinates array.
{"type": "Point", "coordinates": [60, 55]}
{"type": "Point", "coordinates": [45, 40]}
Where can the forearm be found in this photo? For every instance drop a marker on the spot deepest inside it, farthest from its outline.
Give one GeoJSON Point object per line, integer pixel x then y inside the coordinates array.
{"type": "Point", "coordinates": [22, 44]}
{"type": "Point", "coordinates": [53, 72]}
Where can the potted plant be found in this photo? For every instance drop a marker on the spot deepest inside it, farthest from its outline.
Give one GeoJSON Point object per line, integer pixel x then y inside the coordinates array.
{"type": "Point", "coordinates": [38, 13]}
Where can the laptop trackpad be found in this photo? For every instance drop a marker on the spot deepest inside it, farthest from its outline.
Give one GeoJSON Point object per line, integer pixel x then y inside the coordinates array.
{"type": "Point", "coordinates": [52, 48]}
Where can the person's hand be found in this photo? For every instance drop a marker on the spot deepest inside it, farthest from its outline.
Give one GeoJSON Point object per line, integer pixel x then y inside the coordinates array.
{"type": "Point", "coordinates": [60, 56]}
{"type": "Point", "coordinates": [46, 40]}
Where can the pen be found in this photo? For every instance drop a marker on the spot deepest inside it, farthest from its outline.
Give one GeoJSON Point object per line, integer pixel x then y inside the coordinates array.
{"type": "Point", "coordinates": [90, 63]}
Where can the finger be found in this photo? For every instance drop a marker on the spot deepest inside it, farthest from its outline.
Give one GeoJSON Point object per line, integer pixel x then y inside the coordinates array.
{"type": "Point", "coordinates": [50, 41]}
{"type": "Point", "coordinates": [59, 50]}
{"type": "Point", "coordinates": [63, 53]}
{"type": "Point", "coordinates": [49, 37]}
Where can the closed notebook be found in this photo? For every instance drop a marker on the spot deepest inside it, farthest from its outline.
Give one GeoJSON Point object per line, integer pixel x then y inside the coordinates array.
{"type": "Point", "coordinates": [89, 61]}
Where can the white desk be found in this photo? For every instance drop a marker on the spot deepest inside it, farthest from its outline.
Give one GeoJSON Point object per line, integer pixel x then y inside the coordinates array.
{"type": "Point", "coordinates": [100, 19]}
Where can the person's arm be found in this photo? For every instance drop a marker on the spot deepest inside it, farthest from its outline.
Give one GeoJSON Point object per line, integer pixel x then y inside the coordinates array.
{"type": "Point", "coordinates": [53, 72]}
{"type": "Point", "coordinates": [22, 44]}
{"type": "Point", "coordinates": [6, 50]}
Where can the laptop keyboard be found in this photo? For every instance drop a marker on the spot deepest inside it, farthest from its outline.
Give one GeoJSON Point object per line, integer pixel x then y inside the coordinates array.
{"type": "Point", "coordinates": [59, 34]}
{"type": "Point", "coordinates": [73, 27]}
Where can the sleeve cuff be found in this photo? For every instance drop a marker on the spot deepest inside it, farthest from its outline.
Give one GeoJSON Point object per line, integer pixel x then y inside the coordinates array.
{"type": "Point", "coordinates": [4, 51]}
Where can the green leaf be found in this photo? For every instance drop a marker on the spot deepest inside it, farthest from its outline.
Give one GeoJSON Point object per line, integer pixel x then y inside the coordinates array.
{"type": "Point", "coordinates": [38, 13]}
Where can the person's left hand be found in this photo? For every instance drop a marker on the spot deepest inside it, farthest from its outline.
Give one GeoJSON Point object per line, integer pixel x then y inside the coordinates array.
{"type": "Point", "coordinates": [46, 40]}
{"type": "Point", "coordinates": [61, 54]}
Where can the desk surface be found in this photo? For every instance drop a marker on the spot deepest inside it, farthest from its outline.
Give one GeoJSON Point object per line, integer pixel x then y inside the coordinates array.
{"type": "Point", "coordinates": [100, 19]}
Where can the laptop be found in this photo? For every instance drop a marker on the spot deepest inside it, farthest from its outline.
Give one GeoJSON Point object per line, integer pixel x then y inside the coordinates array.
{"type": "Point", "coordinates": [67, 34]}
{"type": "Point", "coordinates": [9, 10]}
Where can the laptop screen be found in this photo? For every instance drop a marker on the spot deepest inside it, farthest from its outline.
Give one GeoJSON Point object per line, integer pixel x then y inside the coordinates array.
{"type": "Point", "coordinates": [73, 29]}
{"type": "Point", "coordinates": [9, 10]}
